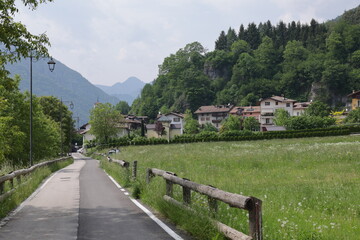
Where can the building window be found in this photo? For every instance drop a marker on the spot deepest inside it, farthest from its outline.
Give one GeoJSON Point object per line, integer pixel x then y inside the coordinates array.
{"type": "Point", "coordinates": [287, 104]}
{"type": "Point", "coordinates": [358, 103]}
{"type": "Point", "coordinates": [298, 113]}
{"type": "Point", "coordinates": [267, 103]}
{"type": "Point", "coordinates": [207, 118]}
{"type": "Point", "coordinates": [202, 119]}
{"type": "Point", "coordinates": [250, 113]}
{"type": "Point", "coordinates": [277, 103]}
{"type": "Point", "coordinates": [176, 119]}
{"type": "Point", "coordinates": [267, 120]}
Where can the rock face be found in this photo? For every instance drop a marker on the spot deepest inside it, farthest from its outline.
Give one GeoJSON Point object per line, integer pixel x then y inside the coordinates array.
{"type": "Point", "coordinates": [213, 73]}
{"type": "Point", "coordinates": [320, 92]}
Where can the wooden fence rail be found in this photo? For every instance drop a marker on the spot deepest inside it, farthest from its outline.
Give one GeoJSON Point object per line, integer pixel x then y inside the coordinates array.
{"type": "Point", "coordinates": [21, 172]}
{"type": "Point", "coordinates": [251, 204]}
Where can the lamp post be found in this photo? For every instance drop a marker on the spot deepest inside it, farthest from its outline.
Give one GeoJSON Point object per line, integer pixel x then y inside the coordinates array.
{"type": "Point", "coordinates": [51, 65]}
{"type": "Point", "coordinates": [71, 105]}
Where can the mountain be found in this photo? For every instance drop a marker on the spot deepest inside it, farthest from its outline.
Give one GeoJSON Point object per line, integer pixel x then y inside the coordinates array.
{"type": "Point", "coordinates": [126, 91]}
{"type": "Point", "coordinates": [63, 83]}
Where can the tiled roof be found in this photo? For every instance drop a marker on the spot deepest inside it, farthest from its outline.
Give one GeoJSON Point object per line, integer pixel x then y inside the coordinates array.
{"type": "Point", "coordinates": [280, 99]}
{"type": "Point", "coordinates": [214, 109]}
{"type": "Point", "coordinates": [354, 94]}
{"type": "Point", "coordinates": [175, 114]}
{"type": "Point", "coordinates": [245, 109]}
{"type": "Point", "coordinates": [301, 105]}
{"type": "Point", "coordinates": [164, 118]}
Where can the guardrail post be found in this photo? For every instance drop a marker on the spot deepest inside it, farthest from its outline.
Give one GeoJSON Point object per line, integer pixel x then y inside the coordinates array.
{"type": "Point", "coordinates": [1, 188]}
{"type": "Point", "coordinates": [149, 175]}
{"type": "Point", "coordinates": [186, 194]}
{"type": "Point", "coordinates": [134, 170]}
{"type": "Point", "coordinates": [169, 188]}
{"type": "Point", "coordinates": [255, 219]}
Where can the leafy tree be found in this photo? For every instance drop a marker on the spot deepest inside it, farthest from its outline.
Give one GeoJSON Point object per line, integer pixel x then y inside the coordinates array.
{"type": "Point", "coordinates": [208, 127]}
{"type": "Point", "coordinates": [281, 117]}
{"type": "Point", "coordinates": [191, 125]}
{"type": "Point", "coordinates": [123, 107]}
{"type": "Point", "coordinates": [251, 123]}
{"type": "Point", "coordinates": [105, 122]}
{"type": "Point", "coordinates": [353, 116]}
{"type": "Point", "coordinates": [318, 109]}
{"type": "Point", "coordinates": [16, 40]}
{"type": "Point", "coordinates": [159, 128]}
{"type": "Point", "coordinates": [309, 122]}
{"type": "Point", "coordinates": [231, 123]}
{"type": "Point", "coordinates": [59, 113]}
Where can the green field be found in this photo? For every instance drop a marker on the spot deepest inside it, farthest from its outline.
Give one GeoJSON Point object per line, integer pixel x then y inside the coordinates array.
{"type": "Point", "coordinates": [310, 187]}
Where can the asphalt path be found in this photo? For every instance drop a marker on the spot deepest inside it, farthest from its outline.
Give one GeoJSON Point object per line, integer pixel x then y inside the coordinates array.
{"type": "Point", "coordinates": [81, 202]}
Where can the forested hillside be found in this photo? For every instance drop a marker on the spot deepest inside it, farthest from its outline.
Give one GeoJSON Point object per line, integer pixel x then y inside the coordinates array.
{"type": "Point", "coordinates": [316, 61]}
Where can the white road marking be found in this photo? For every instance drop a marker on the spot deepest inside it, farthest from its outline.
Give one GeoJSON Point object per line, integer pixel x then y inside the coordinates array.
{"type": "Point", "coordinates": [150, 214]}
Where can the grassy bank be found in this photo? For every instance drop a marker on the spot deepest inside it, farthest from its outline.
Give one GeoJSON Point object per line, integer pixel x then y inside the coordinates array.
{"type": "Point", "coordinates": [309, 186]}
{"type": "Point", "coordinates": [28, 185]}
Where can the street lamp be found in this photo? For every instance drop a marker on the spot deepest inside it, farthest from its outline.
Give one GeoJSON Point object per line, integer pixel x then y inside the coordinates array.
{"type": "Point", "coordinates": [51, 65]}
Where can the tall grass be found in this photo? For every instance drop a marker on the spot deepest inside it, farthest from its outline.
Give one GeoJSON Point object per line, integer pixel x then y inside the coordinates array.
{"type": "Point", "coordinates": [309, 187]}
{"type": "Point", "coordinates": [28, 185]}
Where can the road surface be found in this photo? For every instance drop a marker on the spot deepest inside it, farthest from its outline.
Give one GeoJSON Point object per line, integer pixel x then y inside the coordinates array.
{"type": "Point", "coordinates": [81, 202]}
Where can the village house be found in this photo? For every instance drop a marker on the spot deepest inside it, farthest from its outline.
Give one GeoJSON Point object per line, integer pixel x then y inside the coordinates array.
{"type": "Point", "coordinates": [300, 107]}
{"type": "Point", "coordinates": [213, 114]}
{"type": "Point", "coordinates": [269, 105]}
{"type": "Point", "coordinates": [355, 99]}
{"type": "Point", "coordinates": [172, 124]}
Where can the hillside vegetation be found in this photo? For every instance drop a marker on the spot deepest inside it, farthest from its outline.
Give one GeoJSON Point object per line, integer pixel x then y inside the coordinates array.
{"type": "Point", "coordinates": [309, 187]}
{"type": "Point", "coordinates": [316, 61]}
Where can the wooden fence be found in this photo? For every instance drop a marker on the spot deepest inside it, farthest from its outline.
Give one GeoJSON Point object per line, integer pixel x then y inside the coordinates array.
{"type": "Point", "coordinates": [19, 173]}
{"type": "Point", "coordinates": [251, 204]}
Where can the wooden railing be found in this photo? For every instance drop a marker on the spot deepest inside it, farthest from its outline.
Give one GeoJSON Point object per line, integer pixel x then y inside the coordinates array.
{"type": "Point", "coordinates": [251, 204]}
{"type": "Point", "coordinates": [19, 173]}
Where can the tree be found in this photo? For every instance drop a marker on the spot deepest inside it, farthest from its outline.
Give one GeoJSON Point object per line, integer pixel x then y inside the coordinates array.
{"type": "Point", "coordinates": [57, 111]}
{"type": "Point", "coordinates": [318, 109]}
{"type": "Point", "coordinates": [105, 122]}
{"type": "Point", "coordinates": [123, 107]}
{"type": "Point", "coordinates": [231, 123]}
{"type": "Point", "coordinates": [251, 123]}
{"type": "Point", "coordinates": [16, 40]}
{"type": "Point", "coordinates": [159, 128]}
{"type": "Point", "coordinates": [281, 117]}
{"type": "Point", "coordinates": [353, 116]}
{"type": "Point", "coordinates": [208, 127]}
{"type": "Point", "coordinates": [191, 125]}
{"type": "Point", "coordinates": [221, 43]}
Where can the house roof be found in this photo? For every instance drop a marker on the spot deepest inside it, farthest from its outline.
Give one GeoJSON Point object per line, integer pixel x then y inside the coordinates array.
{"type": "Point", "coordinates": [164, 118]}
{"type": "Point", "coordinates": [245, 109]}
{"type": "Point", "coordinates": [214, 109]}
{"type": "Point", "coordinates": [355, 94]}
{"type": "Point", "coordinates": [301, 105]}
{"type": "Point", "coordinates": [279, 99]}
{"type": "Point", "coordinates": [180, 115]}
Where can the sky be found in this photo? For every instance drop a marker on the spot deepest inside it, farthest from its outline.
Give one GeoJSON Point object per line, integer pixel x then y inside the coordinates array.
{"type": "Point", "coordinates": [108, 41]}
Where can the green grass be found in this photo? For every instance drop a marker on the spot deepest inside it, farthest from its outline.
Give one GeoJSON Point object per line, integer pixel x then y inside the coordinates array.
{"type": "Point", "coordinates": [309, 187]}
{"type": "Point", "coordinates": [28, 185]}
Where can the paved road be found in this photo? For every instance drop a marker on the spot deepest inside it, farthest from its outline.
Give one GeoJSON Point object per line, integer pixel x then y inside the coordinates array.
{"type": "Point", "coordinates": [81, 202]}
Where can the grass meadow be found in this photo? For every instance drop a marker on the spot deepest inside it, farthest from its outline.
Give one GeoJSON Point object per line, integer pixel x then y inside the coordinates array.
{"type": "Point", "coordinates": [310, 187]}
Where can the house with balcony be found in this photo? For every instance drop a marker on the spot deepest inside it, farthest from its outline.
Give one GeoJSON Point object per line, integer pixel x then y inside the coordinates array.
{"type": "Point", "coordinates": [269, 105]}
{"type": "Point", "coordinates": [213, 114]}
{"type": "Point", "coordinates": [172, 125]}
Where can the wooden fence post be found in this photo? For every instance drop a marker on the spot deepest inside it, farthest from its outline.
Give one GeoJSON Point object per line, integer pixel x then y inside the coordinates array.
{"type": "Point", "coordinates": [169, 188]}
{"type": "Point", "coordinates": [186, 194]}
{"type": "Point", "coordinates": [134, 170]}
{"type": "Point", "coordinates": [149, 175]}
{"type": "Point", "coordinates": [255, 219]}
{"type": "Point", "coordinates": [2, 187]}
